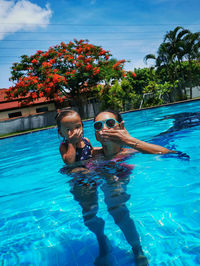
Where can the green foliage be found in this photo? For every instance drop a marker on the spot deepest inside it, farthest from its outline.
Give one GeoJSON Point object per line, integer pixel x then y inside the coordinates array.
{"type": "Point", "coordinates": [158, 93]}
{"type": "Point", "coordinates": [143, 77]}
{"type": "Point", "coordinates": [110, 96]}
{"type": "Point", "coordinates": [119, 96]}
{"type": "Point", "coordinates": [191, 69]}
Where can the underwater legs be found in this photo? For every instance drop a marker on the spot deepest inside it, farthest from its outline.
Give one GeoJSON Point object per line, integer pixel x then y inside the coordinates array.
{"type": "Point", "coordinates": [122, 218]}
{"type": "Point", "coordinates": [88, 200]}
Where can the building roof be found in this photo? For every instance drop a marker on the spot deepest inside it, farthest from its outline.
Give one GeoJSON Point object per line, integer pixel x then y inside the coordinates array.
{"type": "Point", "coordinates": [15, 103]}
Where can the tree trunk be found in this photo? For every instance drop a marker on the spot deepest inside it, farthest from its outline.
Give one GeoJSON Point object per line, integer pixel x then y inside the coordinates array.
{"type": "Point", "coordinates": [78, 103]}
{"type": "Point", "coordinates": [190, 92]}
{"type": "Point", "coordinates": [87, 111]}
{"type": "Point", "coordinates": [80, 106]}
{"type": "Point", "coordinates": [180, 92]}
{"type": "Point", "coordinates": [190, 75]}
{"type": "Point", "coordinates": [183, 79]}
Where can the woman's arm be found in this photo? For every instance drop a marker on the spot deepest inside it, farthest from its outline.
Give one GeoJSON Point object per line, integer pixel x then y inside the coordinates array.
{"type": "Point", "coordinates": [121, 136]}
{"type": "Point", "coordinates": [145, 147]}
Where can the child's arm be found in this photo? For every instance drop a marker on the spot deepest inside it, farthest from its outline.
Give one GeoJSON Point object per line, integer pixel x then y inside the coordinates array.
{"type": "Point", "coordinates": [68, 153]}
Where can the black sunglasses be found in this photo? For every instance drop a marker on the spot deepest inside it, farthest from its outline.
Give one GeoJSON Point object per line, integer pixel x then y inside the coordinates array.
{"type": "Point", "coordinates": [110, 123]}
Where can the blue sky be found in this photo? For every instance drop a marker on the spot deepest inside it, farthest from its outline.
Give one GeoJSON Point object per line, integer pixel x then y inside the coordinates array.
{"type": "Point", "coordinates": [129, 29]}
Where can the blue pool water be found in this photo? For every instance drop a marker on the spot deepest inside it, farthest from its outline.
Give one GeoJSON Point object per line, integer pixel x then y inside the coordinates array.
{"type": "Point", "coordinates": [41, 221]}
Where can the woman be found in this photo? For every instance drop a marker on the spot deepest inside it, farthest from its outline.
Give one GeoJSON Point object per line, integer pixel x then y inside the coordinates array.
{"type": "Point", "coordinates": [111, 133]}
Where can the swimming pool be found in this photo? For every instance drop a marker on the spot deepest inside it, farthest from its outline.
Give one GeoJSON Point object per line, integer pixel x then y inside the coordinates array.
{"type": "Point", "coordinates": [41, 220]}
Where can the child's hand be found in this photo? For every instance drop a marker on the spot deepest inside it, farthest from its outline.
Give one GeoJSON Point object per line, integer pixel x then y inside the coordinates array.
{"type": "Point", "coordinates": [75, 136]}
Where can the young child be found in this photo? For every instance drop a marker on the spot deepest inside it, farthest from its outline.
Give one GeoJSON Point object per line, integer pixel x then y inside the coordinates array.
{"type": "Point", "coordinates": [74, 147]}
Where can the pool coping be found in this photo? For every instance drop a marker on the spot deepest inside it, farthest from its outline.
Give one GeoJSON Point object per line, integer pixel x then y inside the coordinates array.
{"type": "Point", "coordinates": [132, 110]}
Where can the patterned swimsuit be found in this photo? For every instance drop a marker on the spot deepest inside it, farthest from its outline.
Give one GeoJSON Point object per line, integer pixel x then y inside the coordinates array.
{"type": "Point", "coordinates": [84, 153]}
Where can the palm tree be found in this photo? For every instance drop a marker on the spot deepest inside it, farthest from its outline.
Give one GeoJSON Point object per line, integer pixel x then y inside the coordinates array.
{"type": "Point", "coordinates": [163, 64]}
{"type": "Point", "coordinates": [191, 52]}
{"type": "Point", "coordinates": [174, 40]}
{"type": "Point", "coordinates": [170, 55]}
{"type": "Point", "coordinates": [162, 59]}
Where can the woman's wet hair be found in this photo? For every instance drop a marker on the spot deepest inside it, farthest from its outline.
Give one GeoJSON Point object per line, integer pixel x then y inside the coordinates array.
{"type": "Point", "coordinates": [64, 112]}
{"type": "Point", "coordinates": [117, 115]}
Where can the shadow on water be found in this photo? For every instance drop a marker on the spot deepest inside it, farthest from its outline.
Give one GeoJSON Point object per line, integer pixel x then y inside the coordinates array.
{"type": "Point", "coordinates": [182, 121]}
{"type": "Point", "coordinates": [112, 178]}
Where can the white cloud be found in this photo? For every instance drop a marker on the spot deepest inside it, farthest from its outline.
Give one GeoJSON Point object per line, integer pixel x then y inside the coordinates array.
{"type": "Point", "coordinates": [22, 15]}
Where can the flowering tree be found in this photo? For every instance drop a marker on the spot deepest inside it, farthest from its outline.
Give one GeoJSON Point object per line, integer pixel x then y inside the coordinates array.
{"type": "Point", "coordinates": [64, 70]}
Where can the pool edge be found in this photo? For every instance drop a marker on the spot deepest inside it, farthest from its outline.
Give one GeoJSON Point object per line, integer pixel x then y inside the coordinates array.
{"type": "Point", "coordinates": [132, 110]}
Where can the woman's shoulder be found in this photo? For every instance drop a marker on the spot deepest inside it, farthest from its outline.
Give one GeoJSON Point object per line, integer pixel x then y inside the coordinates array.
{"type": "Point", "coordinates": [97, 151]}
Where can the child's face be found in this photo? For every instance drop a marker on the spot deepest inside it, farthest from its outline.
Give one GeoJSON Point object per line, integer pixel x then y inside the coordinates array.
{"type": "Point", "coordinates": [71, 125]}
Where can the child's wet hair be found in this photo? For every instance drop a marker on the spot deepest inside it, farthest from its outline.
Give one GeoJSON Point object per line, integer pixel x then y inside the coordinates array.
{"type": "Point", "coordinates": [117, 115]}
{"type": "Point", "coordinates": [64, 112]}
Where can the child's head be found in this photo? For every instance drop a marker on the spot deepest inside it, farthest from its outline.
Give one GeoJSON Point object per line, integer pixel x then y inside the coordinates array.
{"type": "Point", "coordinates": [67, 121]}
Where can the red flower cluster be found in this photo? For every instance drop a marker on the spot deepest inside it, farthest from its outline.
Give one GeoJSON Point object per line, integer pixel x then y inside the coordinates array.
{"type": "Point", "coordinates": [57, 78]}
{"type": "Point", "coordinates": [46, 64]}
{"type": "Point", "coordinates": [133, 74]}
{"type": "Point", "coordinates": [88, 67]}
{"type": "Point", "coordinates": [96, 70]}
{"type": "Point", "coordinates": [119, 64]}
{"type": "Point", "coordinates": [63, 67]}
{"type": "Point", "coordinates": [34, 61]}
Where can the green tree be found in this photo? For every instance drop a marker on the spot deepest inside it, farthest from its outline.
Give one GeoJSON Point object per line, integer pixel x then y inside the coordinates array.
{"type": "Point", "coordinates": [142, 79]}
{"type": "Point", "coordinates": [169, 57]}
{"type": "Point", "coordinates": [175, 40]}
{"type": "Point", "coordinates": [191, 53]}
{"type": "Point", "coordinates": [163, 63]}
{"type": "Point", "coordinates": [194, 68]}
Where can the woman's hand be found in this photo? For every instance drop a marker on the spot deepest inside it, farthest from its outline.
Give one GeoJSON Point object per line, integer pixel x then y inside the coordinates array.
{"type": "Point", "coordinates": [120, 136]}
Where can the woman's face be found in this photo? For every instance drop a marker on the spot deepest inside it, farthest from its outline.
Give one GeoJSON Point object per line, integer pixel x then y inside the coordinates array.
{"type": "Point", "coordinates": [102, 117]}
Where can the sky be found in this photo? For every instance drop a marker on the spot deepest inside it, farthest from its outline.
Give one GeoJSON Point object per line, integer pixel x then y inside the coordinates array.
{"type": "Point", "coordinates": [129, 29]}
